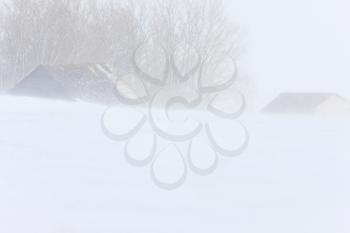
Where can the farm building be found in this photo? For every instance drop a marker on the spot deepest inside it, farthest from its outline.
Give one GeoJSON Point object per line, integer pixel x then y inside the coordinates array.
{"type": "Point", "coordinates": [309, 103]}
{"type": "Point", "coordinates": [90, 83]}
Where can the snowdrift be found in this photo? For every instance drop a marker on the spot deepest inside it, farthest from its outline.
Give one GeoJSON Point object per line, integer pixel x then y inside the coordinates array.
{"type": "Point", "coordinates": [60, 173]}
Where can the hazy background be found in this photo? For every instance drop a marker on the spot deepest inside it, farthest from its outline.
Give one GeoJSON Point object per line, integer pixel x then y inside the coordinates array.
{"type": "Point", "coordinates": [300, 45]}
{"type": "Point", "coordinates": [59, 173]}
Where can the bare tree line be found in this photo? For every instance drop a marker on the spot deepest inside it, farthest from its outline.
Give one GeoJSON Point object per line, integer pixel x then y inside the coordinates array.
{"type": "Point", "coordinates": [59, 32]}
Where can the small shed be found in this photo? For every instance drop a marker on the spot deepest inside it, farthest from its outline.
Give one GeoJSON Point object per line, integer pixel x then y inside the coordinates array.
{"type": "Point", "coordinates": [90, 83]}
{"type": "Point", "coordinates": [309, 103]}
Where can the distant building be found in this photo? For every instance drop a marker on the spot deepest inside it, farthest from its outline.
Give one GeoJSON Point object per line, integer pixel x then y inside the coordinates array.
{"type": "Point", "coordinates": [90, 83]}
{"type": "Point", "coordinates": [309, 103]}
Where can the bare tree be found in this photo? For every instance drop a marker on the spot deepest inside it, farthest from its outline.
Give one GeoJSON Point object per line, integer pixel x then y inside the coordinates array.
{"type": "Point", "coordinates": [158, 39]}
{"type": "Point", "coordinates": [39, 32]}
{"type": "Point", "coordinates": [185, 40]}
{"type": "Point", "coordinates": [57, 32]}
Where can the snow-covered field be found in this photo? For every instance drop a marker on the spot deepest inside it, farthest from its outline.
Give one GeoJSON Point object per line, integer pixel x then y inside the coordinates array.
{"type": "Point", "coordinates": [60, 174]}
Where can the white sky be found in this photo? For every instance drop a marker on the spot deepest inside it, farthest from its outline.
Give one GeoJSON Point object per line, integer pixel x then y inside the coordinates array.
{"type": "Point", "coordinates": [295, 45]}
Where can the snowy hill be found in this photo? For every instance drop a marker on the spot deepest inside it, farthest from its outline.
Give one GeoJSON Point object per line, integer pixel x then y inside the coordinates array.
{"type": "Point", "coordinates": [60, 173]}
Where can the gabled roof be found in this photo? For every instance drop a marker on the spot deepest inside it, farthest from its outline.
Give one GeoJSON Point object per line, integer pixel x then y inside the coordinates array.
{"type": "Point", "coordinates": [299, 102]}
{"type": "Point", "coordinates": [93, 83]}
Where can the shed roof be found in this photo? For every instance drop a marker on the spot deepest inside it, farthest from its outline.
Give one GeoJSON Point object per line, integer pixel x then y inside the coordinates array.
{"type": "Point", "coordinates": [300, 102]}
{"type": "Point", "coordinates": [93, 83]}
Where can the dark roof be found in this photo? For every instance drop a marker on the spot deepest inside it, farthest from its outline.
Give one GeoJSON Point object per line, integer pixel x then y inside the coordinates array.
{"type": "Point", "coordinates": [298, 102]}
{"type": "Point", "coordinates": [92, 83]}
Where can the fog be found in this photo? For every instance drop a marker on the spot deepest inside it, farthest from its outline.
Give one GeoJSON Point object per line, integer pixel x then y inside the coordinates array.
{"type": "Point", "coordinates": [144, 155]}
{"type": "Point", "coordinates": [300, 45]}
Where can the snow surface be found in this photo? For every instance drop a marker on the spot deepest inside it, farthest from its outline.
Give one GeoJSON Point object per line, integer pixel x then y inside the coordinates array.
{"type": "Point", "coordinates": [60, 174]}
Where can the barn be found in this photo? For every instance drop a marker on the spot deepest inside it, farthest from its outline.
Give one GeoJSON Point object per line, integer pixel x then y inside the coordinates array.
{"type": "Point", "coordinates": [90, 83]}
{"type": "Point", "coordinates": [309, 103]}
